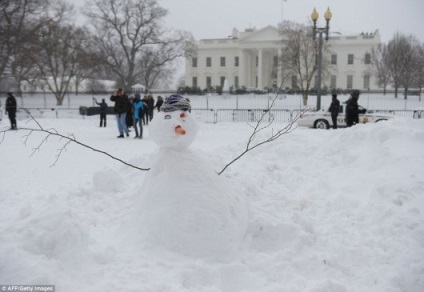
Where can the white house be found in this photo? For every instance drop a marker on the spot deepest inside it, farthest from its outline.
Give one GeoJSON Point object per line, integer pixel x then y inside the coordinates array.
{"type": "Point", "coordinates": [248, 58]}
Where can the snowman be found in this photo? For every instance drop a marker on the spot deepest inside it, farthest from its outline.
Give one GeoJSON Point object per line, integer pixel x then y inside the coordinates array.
{"type": "Point", "coordinates": [184, 205]}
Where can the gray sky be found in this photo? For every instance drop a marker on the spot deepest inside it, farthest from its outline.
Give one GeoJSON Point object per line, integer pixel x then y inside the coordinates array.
{"type": "Point", "coordinates": [217, 18]}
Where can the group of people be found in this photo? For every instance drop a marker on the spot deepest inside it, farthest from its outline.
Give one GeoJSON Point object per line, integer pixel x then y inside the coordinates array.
{"type": "Point", "coordinates": [133, 112]}
{"type": "Point", "coordinates": [352, 109]}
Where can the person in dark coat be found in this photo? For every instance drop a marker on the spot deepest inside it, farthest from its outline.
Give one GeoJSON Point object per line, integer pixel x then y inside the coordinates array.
{"type": "Point", "coordinates": [334, 110]}
{"type": "Point", "coordinates": [121, 109]}
{"type": "Point", "coordinates": [103, 112]}
{"type": "Point", "coordinates": [352, 109]}
{"type": "Point", "coordinates": [145, 111]}
{"type": "Point", "coordinates": [150, 107]}
{"type": "Point", "coordinates": [129, 118]}
{"type": "Point", "coordinates": [159, 103]}
{"type": "Point", "coordinates": [11, 108]}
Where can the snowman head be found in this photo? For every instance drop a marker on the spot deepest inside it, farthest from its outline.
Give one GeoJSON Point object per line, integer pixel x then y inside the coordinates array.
{"type": "Point", "coordinates": [174, 126]}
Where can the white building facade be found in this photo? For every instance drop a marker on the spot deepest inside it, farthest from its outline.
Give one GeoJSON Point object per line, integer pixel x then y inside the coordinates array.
{"type": "Point", "coordinates": [249, 59]}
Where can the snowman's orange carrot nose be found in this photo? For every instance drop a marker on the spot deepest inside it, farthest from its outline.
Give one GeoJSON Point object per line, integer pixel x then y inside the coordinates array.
{"type": "Point", "coordinates": [179, 130]}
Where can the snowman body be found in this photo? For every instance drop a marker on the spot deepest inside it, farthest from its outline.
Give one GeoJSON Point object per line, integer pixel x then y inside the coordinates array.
{"type": "Point", "coordinates": [184, 205]}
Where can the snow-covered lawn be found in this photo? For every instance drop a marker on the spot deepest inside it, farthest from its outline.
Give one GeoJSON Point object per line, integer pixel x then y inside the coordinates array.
{"type": "Point", "coordinates": [329, 211]}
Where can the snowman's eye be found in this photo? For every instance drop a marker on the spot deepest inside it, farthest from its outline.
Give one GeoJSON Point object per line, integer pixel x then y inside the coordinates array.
{"type": "Point", "coordinates": [167, 117]}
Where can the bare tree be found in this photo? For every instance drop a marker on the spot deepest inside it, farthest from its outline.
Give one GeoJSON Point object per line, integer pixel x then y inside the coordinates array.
{"type": "Point", "coordinates": [17, 19]}
{"type": "Point", "coordinates": [411, 65]}
{"type": "Point", "coordinates": [88, 61]}
{"type": "Point", "coordinates": [402, 61]}
{"type": "Point", "coordinates": [58, 50]}
{"type": "Point", "coordinates": [379, 61]}
{"type": "Point", "coordinates": [155, 65]}
{"type": "Point", "coordinates": [299, 57]}
{"type": "Point", "coordinates": [126, 30]}
{"type": "Point", "coordinates": [50, 55]}
{"type": "Point", "coordinates": [420, 74]}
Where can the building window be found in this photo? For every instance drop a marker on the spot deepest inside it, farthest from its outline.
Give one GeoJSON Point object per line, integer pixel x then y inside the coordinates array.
{"type": "Point", "coordinates": [208, 82]}
{"type": "Point", "coordinates": [194, 82]}
{"type": "Point", "coordinates": [257, 61]}
{"type": "Point", "coordinates": [222, 81]}
{"type": "Point", "coordinates": [294, 82]}
{"type": "Point", "coordinates": [367, 59]}
{"type": "Point", "coordinates": [208, 62]}
{"type": "Point", "coordinates": [349, 84]}
{"type": "Point", "coordinates": [333, 59]}
{"type": "Point", "coordinates": [366, 81]}
{"type": "Point", "coordinates": [333, 81]}
{"type": "Point", "coordinates": [236, 82]}
{"type": "Point", "coordinates": [350, 59]}
{"type": "Point", "coordinates": [275, 61]}
{"type": "Point", "coordinates": [236, 61]}
{"type": "Point", "coordinates": [194, 62]}
{"type": "Point", "coordinates": [222, 62]}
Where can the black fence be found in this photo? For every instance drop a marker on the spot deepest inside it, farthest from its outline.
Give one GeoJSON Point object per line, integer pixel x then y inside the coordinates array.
{"type": "Point", "coordinates": [201, 115]}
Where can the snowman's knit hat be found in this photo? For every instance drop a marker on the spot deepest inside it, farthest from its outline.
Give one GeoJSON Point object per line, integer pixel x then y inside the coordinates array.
{"type": "Point", "coordinates": [176, 102]}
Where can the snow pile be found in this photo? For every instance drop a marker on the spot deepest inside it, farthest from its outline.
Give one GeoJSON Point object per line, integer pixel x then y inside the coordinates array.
{"type": "Point", "coordinates": [337, 210]}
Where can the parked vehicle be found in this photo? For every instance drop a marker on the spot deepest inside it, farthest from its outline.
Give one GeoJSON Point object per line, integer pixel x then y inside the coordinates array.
{"type": "Point", "coordinates": [322, 119]}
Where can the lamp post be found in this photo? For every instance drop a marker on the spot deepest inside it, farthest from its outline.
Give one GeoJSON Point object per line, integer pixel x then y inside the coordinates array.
{"type": "Point", "coordinates": [320, 30]}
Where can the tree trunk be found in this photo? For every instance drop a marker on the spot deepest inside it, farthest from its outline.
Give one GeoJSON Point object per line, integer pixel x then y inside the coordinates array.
{"type": "Point", "coordinates": [59, 98]}
{"type": "Point", "coordinates": [305, 99]}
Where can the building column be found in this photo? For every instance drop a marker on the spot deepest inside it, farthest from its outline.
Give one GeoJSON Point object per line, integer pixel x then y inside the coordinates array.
{"type": "Point", "coordinates": [242, 68]}
{"type": "Point", "coordinates": [279, 68]}
{"type": "Point", "coordinates": [260, 68]}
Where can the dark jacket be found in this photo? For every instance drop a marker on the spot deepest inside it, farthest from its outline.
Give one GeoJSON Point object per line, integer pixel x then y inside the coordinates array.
{"type": "Point", "coordinates": [334, 107]}
{"type": "Point", "coordinates": [159, 103]}
{"type": "Point", "coordinates": [103, 107]}
{"type": "Point", "coordinates": [352, 112]}
{"type": "Point", "coordinates": [150, 103]}
{"type": "Point", "coordinates": [11, 104]}
{"type": "Point", "coordinates": [121, 103]}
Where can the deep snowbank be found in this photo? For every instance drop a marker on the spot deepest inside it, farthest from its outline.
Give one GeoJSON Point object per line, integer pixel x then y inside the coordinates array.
{"type": "Point", "coordinates": [329, 211]}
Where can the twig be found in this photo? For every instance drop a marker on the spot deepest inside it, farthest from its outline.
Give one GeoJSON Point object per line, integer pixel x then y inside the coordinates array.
{"type": "Point", "coordinates": [69, 139]}
{"type": "Point", "coordinates": [259, 126]}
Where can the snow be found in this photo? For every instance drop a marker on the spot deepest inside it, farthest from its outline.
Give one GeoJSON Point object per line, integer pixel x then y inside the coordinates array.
{"type": "Point", "coordinates": [337, 210]}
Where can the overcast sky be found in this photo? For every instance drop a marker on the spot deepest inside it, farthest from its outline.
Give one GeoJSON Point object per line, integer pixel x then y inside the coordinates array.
{"type": "Point", "coordinates": [217, 18]}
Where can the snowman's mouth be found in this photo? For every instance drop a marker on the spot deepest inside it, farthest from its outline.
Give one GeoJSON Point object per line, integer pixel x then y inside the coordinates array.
{"type": "Point", "coordinates": [179, 130]}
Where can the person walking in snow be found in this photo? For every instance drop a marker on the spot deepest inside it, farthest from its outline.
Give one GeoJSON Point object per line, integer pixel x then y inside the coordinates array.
{"type": "Point", "coordinates": [137, 110]}
{"type": "Point", "coordinates": [11, 108]}
{"type": "Point", "coordinates": [103, 111]}
{"type": "Point", "coordinates": [334, 110]}
{"type": "Point", "coordinates": [120, 109]}
{"type": "Point", "coordinates": [159, 103]}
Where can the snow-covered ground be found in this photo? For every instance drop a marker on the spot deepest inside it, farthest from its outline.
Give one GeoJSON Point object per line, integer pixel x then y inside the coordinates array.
{"type": "Point", "coordinates": [329, 211]}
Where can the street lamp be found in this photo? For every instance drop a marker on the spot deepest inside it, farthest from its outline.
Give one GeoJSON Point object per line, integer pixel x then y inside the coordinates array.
{"type": "Point", "coordinates": [320, 30]}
